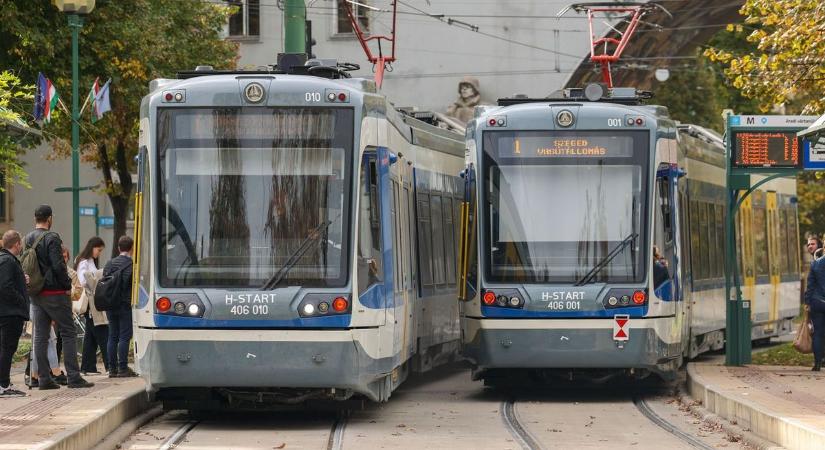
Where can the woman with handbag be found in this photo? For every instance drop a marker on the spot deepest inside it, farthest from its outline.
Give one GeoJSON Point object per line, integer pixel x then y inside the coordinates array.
{"type": "Point", "coordinates": [815, 306]}
{"type": "Point", "coordinates": [97, 327]}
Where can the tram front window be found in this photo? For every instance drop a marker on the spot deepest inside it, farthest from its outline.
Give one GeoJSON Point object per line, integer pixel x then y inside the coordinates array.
{"type": "Point", "coordinates": [246, 193]}
{"type": "Point", "coordinates": [565, 206]}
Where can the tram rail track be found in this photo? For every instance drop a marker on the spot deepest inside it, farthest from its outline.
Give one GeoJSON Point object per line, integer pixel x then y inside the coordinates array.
{"type": "Point", "coordinates": [179, 435]}
{"type": "Point", "coordinates": [661, 422]}
{"type": "Point", "coordinates": [519, 432]}
{"type": "Point", "coordinates": [336, 435]}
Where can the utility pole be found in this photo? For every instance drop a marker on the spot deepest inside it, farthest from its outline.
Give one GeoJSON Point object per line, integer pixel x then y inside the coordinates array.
{"type": "Point", "coordinates": [294, 26]}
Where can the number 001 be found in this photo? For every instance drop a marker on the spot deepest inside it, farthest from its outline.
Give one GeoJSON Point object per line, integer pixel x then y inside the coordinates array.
{"type": "Point", "coordinates": [614, 122]}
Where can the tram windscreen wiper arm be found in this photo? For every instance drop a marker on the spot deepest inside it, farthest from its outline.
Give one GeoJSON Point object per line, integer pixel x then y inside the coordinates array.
{"type": "Point", "coordinates": [606, 260]}
{"type": "Point", "coordinates": [313, 236]}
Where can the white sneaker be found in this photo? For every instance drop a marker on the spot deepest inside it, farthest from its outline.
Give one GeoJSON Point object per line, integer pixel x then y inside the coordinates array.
{"type": "Point", "coordinates": [11, 392]}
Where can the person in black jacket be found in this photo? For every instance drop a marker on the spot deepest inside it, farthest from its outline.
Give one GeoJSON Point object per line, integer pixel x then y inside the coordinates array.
{"type": "Point", "coordinates": [52, 303]}
{"type": "Point", "coordinates": [120, 318]}
{"type": "Point", "coordinates": [14, 307]}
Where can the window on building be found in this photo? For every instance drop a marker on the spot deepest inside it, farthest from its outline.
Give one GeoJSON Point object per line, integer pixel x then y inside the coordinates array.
{"type": "Point", "coordinates": [343, 24]}
{"type": "Point", "coordinates": [246, 21]}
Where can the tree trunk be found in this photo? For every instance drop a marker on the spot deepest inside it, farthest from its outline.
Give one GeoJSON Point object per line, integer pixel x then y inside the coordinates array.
{"type": "Point", "coordinates": [120, 193]}
{"type": "Point", "coordinates": [120, 208]}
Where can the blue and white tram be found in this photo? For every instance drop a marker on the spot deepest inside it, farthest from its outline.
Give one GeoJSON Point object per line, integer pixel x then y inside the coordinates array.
{"type": "Point", "coordinates": [567, 201]}
{"type": "Point", "coordinates": [297, 239]}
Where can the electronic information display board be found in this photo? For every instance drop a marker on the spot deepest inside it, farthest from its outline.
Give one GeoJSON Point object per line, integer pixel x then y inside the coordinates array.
{"type": "Point", "coordinates": [781, 149]}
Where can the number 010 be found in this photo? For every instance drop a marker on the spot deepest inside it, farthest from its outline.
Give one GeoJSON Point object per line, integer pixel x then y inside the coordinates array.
{"type": "Point", "coordinates": [313, 96]}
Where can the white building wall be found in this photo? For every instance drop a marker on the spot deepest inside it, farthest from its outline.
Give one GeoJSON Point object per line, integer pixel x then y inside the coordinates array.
{"type": "Point", "coordinates": [433, 56]}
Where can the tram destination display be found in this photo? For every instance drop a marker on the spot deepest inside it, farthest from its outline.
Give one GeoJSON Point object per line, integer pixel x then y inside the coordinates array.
{"type": "Point", "coordinates": [766, 149]}
{"type": "Point", "coordinates": [542, 144]}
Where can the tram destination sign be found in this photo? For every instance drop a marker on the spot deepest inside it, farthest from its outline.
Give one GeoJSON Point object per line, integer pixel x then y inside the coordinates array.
{"type": "Point", "coordinates": [766, 149]}
{"type": "Point", "coordinates": [541, 144]}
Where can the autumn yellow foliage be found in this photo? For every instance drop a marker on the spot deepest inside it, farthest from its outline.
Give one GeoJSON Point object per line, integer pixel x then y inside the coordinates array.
{"type": "Point", "coordinates": [789, 63]}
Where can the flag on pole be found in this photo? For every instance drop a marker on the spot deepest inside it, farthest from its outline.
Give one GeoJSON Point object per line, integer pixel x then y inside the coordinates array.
{"type": "Point", "coordinates": [45, 99]}
{"type": "Point", "coordinates": [100, 100]}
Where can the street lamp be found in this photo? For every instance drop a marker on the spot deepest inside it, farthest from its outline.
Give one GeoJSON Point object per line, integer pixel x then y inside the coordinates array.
{"type": "Point", "coordinates": [75, 10]}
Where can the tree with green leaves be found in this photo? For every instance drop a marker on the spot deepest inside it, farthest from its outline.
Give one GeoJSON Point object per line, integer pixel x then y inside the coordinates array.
{"type": "Point", "coordinates": [13, 96]}
{"type": "Point", "coordinates": [129, 41]}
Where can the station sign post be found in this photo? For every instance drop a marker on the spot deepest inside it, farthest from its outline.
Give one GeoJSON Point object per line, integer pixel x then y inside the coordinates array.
{"type": "Point", "coordinates": [756, 145]}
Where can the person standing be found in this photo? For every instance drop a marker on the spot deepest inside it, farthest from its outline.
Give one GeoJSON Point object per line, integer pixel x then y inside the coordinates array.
{"type": "Point", "coordinates": [120, 316]}
{"type": "Point", "coordinates": [97, 326]}
{"type": "Point", "coordinates": [814, 244]}
{"type": "Point", "coordinates": [815, 305]}
{"type": "Point", "coordinates": [52, 303]}
{"type": "Point", "coordinates": [14, 308]}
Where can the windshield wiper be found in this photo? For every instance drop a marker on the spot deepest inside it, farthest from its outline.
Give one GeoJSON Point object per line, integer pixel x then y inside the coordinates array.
{"type": "Point", "coordinates": [312, 237]}
{"type": "Point", "coordinates": [588, 277]}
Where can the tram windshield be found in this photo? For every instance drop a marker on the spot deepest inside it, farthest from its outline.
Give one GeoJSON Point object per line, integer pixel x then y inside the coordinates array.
{"type": "Point", "coordinates": [246, 193]}
{"type": "Point", "coordinates": [565, 206]}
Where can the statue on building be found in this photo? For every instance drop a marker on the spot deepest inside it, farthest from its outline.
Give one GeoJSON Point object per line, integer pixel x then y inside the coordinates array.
{"type": "Point", "coordinates": [469, 96]}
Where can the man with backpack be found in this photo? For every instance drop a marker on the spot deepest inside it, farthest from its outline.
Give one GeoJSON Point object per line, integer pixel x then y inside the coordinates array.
{"type": "Point", "coordinates": [14, 307]}
{"type": "Point", "coordinates": [49, 286]}
{"type": "Point", "coordinates": [114, 295]}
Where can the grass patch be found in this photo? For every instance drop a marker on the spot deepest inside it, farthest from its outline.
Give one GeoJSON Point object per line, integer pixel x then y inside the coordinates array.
{"type": "Point", "coordinates": [782, 355]}
{"type": "Point", "coordinates": [23, 348]}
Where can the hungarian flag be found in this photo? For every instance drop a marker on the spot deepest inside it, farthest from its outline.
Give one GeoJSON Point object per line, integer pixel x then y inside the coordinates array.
{"type": "Point", "coordinates": [45, 99]}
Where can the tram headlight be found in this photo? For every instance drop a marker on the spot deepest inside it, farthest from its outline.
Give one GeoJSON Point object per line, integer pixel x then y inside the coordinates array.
{"type": "Point", "coordinates": [180, 307]}
{"type": "Point", "coordinates": [309, 309]}
{"type": "Point", "coordinates": [515, 301]}
{"type": "Point", "coordinates": [323, 307]}
{"type": "Point", "coordinates": [194, 309]}
{"type": "Point", "coordinates": [502, 300]}
{"type": "Point", "coordinates": [612, 301]}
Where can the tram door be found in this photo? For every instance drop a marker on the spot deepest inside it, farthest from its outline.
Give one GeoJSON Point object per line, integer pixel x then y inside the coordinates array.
{"type": "Point", "coordinates": [403, 289]}
{"type": "Point", "coordinates": [774, 259]}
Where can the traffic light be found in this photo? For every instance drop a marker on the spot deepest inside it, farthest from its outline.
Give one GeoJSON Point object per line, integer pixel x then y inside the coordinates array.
{"type": "Point", "coordinates": [309, 41]}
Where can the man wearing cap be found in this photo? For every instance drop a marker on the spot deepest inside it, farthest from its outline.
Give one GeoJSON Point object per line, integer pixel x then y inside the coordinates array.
{"type": "Point", "coordinates": [52, 303]}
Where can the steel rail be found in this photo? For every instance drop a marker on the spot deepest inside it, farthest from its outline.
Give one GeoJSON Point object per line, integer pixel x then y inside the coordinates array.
{"type": "Point", "coordinates": [516, 429]}
{"type": "Point", "coordinates": [651, 415]}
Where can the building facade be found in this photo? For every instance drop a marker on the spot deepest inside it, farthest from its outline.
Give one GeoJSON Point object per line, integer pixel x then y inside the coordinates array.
{"type": "Point", "coordinates": [511, 47]}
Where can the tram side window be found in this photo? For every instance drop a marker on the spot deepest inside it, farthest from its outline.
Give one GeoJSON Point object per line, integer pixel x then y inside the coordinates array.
{"type": "Point", "coordinates": [704, 241]}
{"type": "Point", "coordinates": [666, 210]}
{"type": "Point", "coordinates": [760, 241]}
{"type": "Point", "coordinates": [438, 239]}
{"type": "Point", "coordinates": [793, 241]}
{"type": "Point", "coordinates": [684, 233]}
{"type": "Point", "coordinates": [695, 241]}
{"type": "Point", "coordinates": [720, 240]}
{"type": "Point", "coordinates": [449, 239]}
{"type": "Point", "coordinates": [369, 228]}
{"type": "Point", "coordinates": [784, 253]}
{"type": "Point", "coordinates": [424, 242]}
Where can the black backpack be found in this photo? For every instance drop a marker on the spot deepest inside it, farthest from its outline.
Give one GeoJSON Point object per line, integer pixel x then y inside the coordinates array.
{"type": "Point", "coordinates": [110, 290]}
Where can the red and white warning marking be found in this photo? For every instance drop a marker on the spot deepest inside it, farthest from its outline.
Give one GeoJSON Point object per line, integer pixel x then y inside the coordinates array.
{"type": "Point", "coordinates": [621, 327]}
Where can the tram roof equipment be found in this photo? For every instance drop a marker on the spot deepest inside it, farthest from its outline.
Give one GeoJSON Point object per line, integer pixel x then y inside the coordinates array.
{"type": "Point", "coordinates": [288, 64]}
{"type": "Point", "coordinates": [594, 92]}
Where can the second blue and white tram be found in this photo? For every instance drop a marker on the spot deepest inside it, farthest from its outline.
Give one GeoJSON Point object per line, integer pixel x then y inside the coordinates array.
{"type": "Point", "coordinates": [592, 240]}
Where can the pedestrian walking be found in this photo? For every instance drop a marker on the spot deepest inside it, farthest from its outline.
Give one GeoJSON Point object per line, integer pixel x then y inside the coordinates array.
{"type": "Point", "coordinates": [51, 300]}
{"type": "Point", "coordinates": [97, 325]}
{"type": "Point", "coordinates": [120, 316]}
{"type": "Point", "coordinates": [815, 305]}
{"type": "Point", "coordinates": [14, 308]}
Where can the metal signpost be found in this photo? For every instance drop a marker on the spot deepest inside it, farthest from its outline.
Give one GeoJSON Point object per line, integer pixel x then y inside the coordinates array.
{"type": "Point", "coordinates": [756, 145]}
